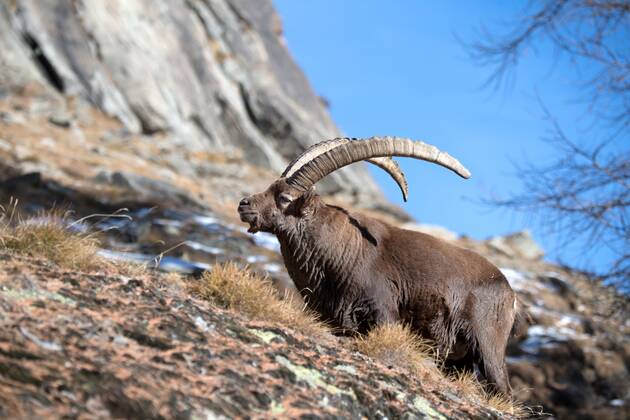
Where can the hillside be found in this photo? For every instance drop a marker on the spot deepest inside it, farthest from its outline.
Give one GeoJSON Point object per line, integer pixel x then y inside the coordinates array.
{"type": "Point", "coordinates": [175, 126]}
{"type": "Point", "coordinates": [100, 345]}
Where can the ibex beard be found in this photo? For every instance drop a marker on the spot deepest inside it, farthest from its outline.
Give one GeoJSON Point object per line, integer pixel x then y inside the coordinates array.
{"type": "Point", "coordinates": [357, 272]}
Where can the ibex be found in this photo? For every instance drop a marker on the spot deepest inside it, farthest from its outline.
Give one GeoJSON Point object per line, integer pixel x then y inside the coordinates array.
{"type": "Point", "coordinates": [357, 272]}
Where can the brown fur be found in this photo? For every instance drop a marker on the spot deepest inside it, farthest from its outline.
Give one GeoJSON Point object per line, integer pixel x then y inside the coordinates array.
{"type": "Point", "coordinates": [358, 272]}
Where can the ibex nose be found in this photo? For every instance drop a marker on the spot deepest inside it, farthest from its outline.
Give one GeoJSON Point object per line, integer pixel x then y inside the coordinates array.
{"type": "Point", "coordinates": [244, 202]}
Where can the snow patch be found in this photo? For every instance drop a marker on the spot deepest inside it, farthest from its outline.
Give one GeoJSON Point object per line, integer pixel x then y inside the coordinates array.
{"type": "Point", "coordinates": [253, 259]}
{"type": "Point", "coordinates": [273, 268]}
{"type": "Point", "coordinates": [539, 337]}
{"type": "Point", "coordinates": [517, 279]}
{"type": "Point", "coordinates": [206, 220]}
{"type": "Point", "coordinates": [170, 264]}
{"type": "Point", "coordinates": [197, 246]}
{"type": "Point", "coordinates": [267, 240]}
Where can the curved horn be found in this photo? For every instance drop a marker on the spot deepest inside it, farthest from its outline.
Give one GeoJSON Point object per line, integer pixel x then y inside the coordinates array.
{"type": "Point", "coordinates": [386, 163]}
{"type": "Point", "coordinates": [332, 159]}
{"type": "Point", "coordinates": [391, 167]}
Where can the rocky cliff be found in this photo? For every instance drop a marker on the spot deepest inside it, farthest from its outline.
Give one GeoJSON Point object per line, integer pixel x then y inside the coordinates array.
{"type": "Point", "coordinates": [174, 110]}
{"type": "Point", "coordinates": [211, 76]}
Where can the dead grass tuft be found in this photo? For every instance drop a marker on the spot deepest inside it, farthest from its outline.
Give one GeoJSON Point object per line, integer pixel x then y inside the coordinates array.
{"type": "Point", "coordinates": [54, 236]}
{"type": "Point", "coordinates": [396, 345]}
{"type": "Point", "coordinates": [241, 290]}
{"type": "Point", "coordinates": [127, 268]}
{"type": "Point", "coordinates": [48, 235]}
{"type": "Point", "coordinates": [507, 405]}
{"type": "Point", "coordinates": [466, 383]}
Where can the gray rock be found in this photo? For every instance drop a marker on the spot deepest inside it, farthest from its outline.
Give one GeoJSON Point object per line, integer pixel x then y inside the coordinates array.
{"type": "Point", "coordinates": [12, 118]}
{"type": "Point", "coordinates": [61, 119]}
{"type": "Point", "coordinates": [149, 190]}
{"type": "Point", "coordinates": [214, 74]}
{"type": "Point", "coordinates": [519, 244]}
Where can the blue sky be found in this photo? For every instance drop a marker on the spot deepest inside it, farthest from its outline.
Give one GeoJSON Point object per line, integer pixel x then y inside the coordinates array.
{"type": "Point", "coordinates": [396, 68]}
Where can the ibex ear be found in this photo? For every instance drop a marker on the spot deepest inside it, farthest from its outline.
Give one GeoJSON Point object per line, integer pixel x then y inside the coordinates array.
{"type": "Point", "coordinates": [300, 205]}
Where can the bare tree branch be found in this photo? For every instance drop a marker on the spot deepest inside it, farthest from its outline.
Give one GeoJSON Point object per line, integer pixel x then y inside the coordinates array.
{"type": "Point", "coordinates": [585, 192]}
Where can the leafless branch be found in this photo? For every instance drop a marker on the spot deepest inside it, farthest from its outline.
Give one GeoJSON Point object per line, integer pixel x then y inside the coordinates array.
{"type": "Point", "coordinates": [585, 192]}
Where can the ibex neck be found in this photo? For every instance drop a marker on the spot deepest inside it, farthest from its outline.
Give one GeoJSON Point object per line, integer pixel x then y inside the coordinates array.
{"type": "Point", "coordinates": [320, 252]}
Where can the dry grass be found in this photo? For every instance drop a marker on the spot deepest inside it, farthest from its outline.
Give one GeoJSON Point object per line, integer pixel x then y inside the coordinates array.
{"type": "Point", "coordinates": [48, 235]}
{"type": "Point", "coordinates": [245, 292]}
{"type": "Point", "coordinates": [52, 235]}
{"type": "Point", "coordinates": [510, 406]}
{"type": "Point", "coordinates": [466, 383]}
{"type": "Point", "coordinates": [127, 268]}
{"type": "Point", "coordinates": [396, 345]}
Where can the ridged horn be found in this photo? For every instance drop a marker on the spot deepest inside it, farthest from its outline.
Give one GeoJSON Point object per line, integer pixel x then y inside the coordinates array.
{"type": "Point", "coordinates": [386, 163]}
{"type": "Point", "coordinates": [321, 164]}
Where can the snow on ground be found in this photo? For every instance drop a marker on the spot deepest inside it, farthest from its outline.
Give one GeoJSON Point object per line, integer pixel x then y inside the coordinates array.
{"type": "Point", "coordinates": [204, 248]}
{"type": "Point", "coordinates": [267, 240]}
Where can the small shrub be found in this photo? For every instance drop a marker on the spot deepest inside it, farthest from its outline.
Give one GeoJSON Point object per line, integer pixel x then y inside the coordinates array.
{"type": "Point", "coordinates": [241, 290]}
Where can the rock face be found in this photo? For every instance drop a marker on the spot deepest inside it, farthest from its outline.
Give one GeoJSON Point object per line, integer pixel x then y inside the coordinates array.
{"type": "Point", "coordinates": [212, 75]}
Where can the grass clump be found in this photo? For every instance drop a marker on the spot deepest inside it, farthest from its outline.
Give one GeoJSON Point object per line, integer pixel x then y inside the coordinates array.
{"type": "Point", "coordinates": [466, 383]}
{"type": "Point", "coordinates": [396, 345]}
{"type": "Point", "coordinates": [241, 290]}
{"type": "Point", "coordinates": [48, 235]}
{"type": "Point", "coordinates": [507, 405]}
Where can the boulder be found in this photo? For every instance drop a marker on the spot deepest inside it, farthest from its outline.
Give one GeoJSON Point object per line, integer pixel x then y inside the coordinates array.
{"type": "Point", "coordinates": [519, 244]}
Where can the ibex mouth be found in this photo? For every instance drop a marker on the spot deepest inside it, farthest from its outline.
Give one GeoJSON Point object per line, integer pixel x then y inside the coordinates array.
{"type": "Point", "coordinates": [250, 217]}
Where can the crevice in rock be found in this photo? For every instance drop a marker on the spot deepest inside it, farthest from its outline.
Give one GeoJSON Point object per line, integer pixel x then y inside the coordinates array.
{"type": "Point", "coordinates": [245, 23]}
{"type": "Point", "coordinates": [146, 126]}
{"type": "Point", "coordinates": [44, 64]}
{"type": "Point", "coordinates": [198, 122]}
{"type": "Point", "coordinates": [87, 31]}
{"type": "Point", "coordinates": [269, 121]}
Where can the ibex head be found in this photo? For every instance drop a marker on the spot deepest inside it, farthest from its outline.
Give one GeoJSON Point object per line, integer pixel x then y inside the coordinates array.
{"type": "Point", "coordinates": [291, 196]}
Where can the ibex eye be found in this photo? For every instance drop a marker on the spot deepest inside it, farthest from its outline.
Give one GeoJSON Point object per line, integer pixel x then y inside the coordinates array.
{"type": "Point", "coordinates": [285, 198]}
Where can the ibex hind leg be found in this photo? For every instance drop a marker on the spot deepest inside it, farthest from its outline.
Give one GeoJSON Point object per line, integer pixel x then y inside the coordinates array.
{"type": "Point", "coordinates": [462, 357]}
{"type": "Point", "coordinates": [491, 324]}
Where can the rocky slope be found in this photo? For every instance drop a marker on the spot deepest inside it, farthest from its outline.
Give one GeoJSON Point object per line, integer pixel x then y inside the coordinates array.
{"type": "Point", "coordinates": [103, 345]}
{"type": "Point", "coordinates": [210, 76]}
{"type": "Point", "coordinates": [175, 110]}
{"type": "Point", "coordinates": [574, 360]}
